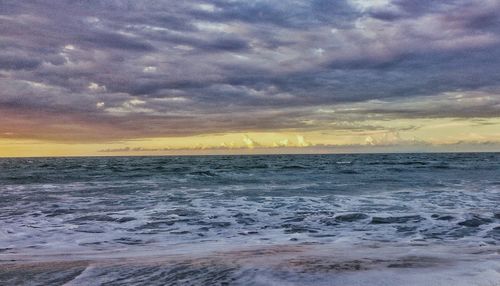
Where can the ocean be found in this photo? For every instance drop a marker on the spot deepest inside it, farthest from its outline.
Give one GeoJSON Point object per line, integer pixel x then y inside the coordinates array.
{"type": "Point", "coordinates": [363, 219]}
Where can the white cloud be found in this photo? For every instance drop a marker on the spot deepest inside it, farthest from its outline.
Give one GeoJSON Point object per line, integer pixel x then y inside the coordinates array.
{"type": "Point", "coordinates": [250, 143]}
{"type": "Point", "coordinates": [205, 7]}
{"type": "Point", "coordinates": [301, 141]}
{"type": "Point", "coordinates": [149, 69]}
{"type": "Point", "coordinates": [135, 102]}
{"type": "Point", "coordinates": [95, 87]}
{"type": "Point", "coordinates": [369, 4]}
{"type": "Point", "coordinates": [318, 52]}
{"type": "Point", "coordinates": [214, 27]}
{"type": "Point", "coordinates": [391, 138]}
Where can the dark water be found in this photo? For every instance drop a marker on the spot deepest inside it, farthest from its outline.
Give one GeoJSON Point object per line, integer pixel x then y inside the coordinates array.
{"type": "Point", "coordinates": [216, 220]}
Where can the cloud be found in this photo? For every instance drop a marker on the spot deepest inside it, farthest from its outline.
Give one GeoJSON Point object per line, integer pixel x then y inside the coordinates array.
{"type": "Point", "coordinates": [14, 62]}
{"type": "Point", "coordinates": [132, 69]}
{"type": "Point", "coordinates": [250, 143]}
{"type": "Point", "coordinates": [301, 141]}
{"type": "Point", "coordinates": [478, 104]}
{"type": "Point", "coordinates": [392, 138]}
{"type": "Point", "coordinates": [247, 143]}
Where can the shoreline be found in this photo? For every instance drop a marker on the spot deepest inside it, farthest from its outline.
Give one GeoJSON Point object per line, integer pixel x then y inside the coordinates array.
{"type": "Point", "coordinates": [278, 264]}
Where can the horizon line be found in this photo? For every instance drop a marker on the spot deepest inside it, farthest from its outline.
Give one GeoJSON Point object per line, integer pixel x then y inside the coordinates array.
{"type": "Point", "coordinates": [256, 154]}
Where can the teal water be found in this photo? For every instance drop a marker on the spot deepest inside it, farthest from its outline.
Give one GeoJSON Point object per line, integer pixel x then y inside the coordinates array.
{"type": "Point", "coordinates": [99, 209]}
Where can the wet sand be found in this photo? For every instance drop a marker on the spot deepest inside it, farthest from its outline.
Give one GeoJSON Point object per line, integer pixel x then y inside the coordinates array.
{"type": "Point", "coordinates": [276, 265]}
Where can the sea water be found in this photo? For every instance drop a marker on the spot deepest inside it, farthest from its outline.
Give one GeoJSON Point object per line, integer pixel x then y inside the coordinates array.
{"type": "Point", "coordinates": [366, 219]}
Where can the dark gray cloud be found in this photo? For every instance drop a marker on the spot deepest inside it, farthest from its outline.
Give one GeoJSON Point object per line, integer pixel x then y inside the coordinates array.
{"type": "Point", "coordinates": [101, 39]}
{"type": "Point", "coordinates": [125, 69]}
{"type": "Point", "coordinates": [15, 62]}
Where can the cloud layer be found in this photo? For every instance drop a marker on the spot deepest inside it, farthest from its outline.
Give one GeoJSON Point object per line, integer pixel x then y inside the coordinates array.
{"type": "Point", "coordinates": [111, 70]}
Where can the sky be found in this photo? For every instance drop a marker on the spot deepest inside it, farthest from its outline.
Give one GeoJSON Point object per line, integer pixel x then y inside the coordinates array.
{"type": "Point", "coordinates": [150, 77]}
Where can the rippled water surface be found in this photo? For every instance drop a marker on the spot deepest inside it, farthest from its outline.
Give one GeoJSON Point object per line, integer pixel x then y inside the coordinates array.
{"type": "Point", "coordinates": [252, 220]}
